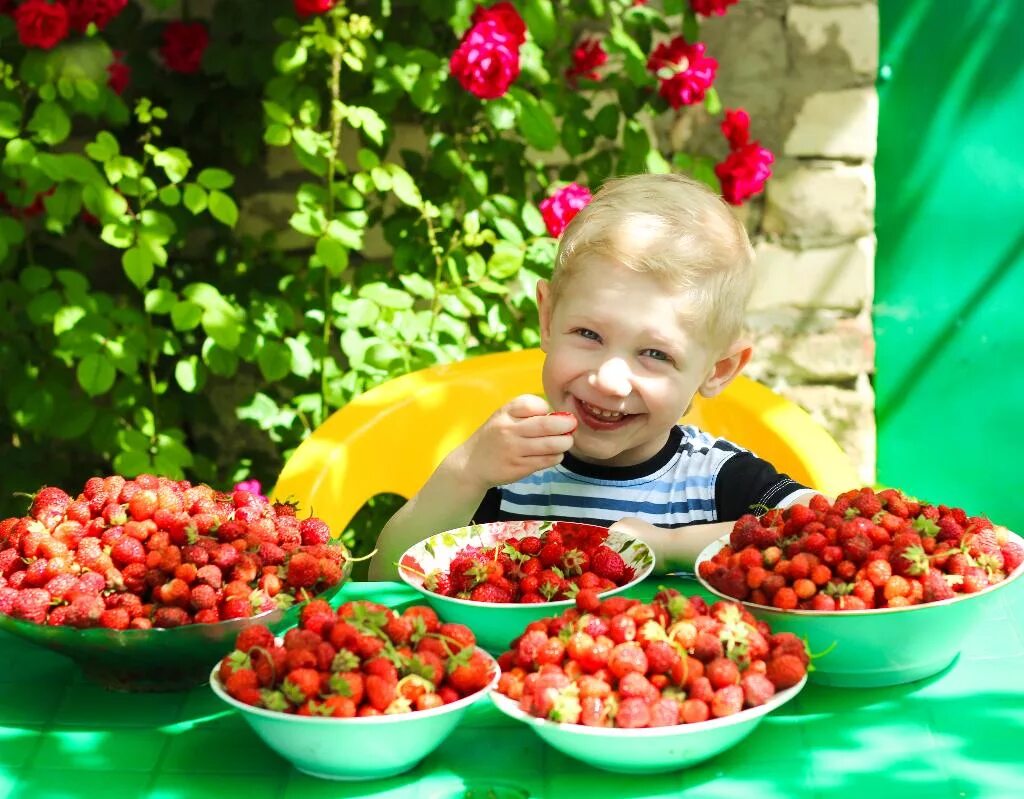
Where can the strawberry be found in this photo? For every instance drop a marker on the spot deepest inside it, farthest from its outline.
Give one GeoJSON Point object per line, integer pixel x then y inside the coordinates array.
{"type": "Point", "coordinates": [785, 670]}
{"type": "Point", "coordinates": [31, 604]}
{"type": "Point", "coordinates": [468, 675]}
{"type": "Point", "coordinates": [314, 531]}
{"type": "Point", "coordinates": [489, 592]}
{"type": "Point", "coordinates": [607, 563]}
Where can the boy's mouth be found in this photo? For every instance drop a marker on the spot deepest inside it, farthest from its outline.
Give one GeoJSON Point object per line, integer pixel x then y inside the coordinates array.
{"type": "Point", "coordinates": [599, 418]}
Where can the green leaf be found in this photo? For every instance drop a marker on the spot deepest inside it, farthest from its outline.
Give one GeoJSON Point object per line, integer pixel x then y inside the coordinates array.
{"type": "Point", "coordinates": [223, 325]}
{"type": "Point", "coordinates": [712, 102]}
{"type": "Point", "coordinates": [532, 220]}
{"type": "Point", "coordinates": [138, 266]}
{"type": "Point", "coordinates": [160, 301]}
{"type": "Point", "coordinates": [35, 279]}
{"type": "Point", "coordinates": [95, 374]}
{"type": "Point", "coordinates": [19, 152]}
{"type": "Point", "coordinates": [508, 230]}
{"type": "Point", "coordinates": [50, 123]}
{"type": "Point", "coordinates": [332, 254]}
{"type": "Point", "coordinates": [506, 261]}
{"type": "Point", "coordinates": [170, 195]}
{"type": "Point", "coordinates": [10, 120]}
{"type": "Point", "coordinates": [302, 360]}
{"type": "Point", "coordinates": [535, 122]}
{"type": "Point", "coordinates": [289, 56]}
{"type": "Point", "coordinates": [215, 179]}
{"type": "Point", "coordinates": [223, 208]}
{"type": "Point", "coordinates": [385, 296]}
{"type": "Point", "coordinates": [274, 360]}
{"type": "Point", "coordinates": [103, 148]}
{"type": "Point", "coordinates": [186, 315]}
{"type": "Point", "coordinates": [175, 163]}
{"type": "Point", "coordinates": [186, 372]}
{"type": "Point", "coordinates": [195, 198]}
{"type": "Point", "coordinates": [277, 135]}
{"type": "Point", "coordinates": [404, 186]}
{"type": "Point", "coordinates": [501, 112]}
{"type": "Point", "coordinates": [539, 16]}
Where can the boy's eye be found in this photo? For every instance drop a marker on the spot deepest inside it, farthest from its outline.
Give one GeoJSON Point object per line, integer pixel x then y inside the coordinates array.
{"type": "Point", "coordinates": [657, 355]}
{"type": "Point", "coordinates": [585, 333]}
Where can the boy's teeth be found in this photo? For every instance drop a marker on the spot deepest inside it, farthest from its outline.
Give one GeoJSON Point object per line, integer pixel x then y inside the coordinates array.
{"type": "Point", "coordinates": [600, 413]}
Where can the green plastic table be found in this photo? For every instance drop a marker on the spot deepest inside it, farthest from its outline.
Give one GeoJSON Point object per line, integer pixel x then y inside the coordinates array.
{"type": "Point", "coordinates": [957, 734]}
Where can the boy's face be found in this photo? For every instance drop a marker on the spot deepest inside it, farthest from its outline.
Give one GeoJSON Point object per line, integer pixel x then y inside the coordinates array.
{"type": "Point", "coordinates": [621, 359]}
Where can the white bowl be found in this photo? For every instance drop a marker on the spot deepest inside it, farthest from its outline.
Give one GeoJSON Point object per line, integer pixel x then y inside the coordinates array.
{"type": "Point", "coordinates": [649, 750]}
{"type": "Point", "coordinates": [496, 624]}
{"type": "Point", "coordinates": [354, 748]}
{"type": "Point", "coordinates": [880, 646]}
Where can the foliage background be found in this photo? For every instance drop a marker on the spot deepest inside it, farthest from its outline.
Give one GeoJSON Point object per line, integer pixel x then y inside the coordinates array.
{"type": "Point", "coordinates": [134, 298]}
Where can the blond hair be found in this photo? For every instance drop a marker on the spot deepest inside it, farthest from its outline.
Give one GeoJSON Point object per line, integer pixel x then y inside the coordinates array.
{"type": "Point", "coordinates": [675, 228]}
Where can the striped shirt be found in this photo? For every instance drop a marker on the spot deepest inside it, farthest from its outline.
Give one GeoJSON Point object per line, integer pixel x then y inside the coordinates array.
{"type": "Point", "coordinates": [695, 478]}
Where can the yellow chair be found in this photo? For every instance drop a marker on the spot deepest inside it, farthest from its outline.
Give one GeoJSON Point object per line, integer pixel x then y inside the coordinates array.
{"type": "Point", "coordinates": [392, 437]}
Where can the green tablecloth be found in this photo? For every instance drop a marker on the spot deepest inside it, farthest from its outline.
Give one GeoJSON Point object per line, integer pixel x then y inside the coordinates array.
{"type": "Point", "coordinates": [957, 734]}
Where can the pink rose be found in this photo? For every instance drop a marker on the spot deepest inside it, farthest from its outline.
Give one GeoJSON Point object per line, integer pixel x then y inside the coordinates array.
{"type": "Point", "coordinates": [744, 172]}
{"type": "Point", "coordinates": [252, 485]}
{"type": "Point", "coordinates": [708, 7]}
{"type": "Point", "coordinates": [307, 8]}
{"type": "Point", "coordinates": [486, 61]}
{"type": "Point", "coordinates": [183, 46]}
{"type": "Point", "coordinates": [559, 209]}
{"type": "Point", "coordinates": [684, 71]}
{"type": "Point", "coordinates": [506, 17]}
{"type": "Point", "coordinates": [100, 12]}
{"type": "Point", "coordinates": [41, 24]}
{"type": "Point", "coordinates": [736, 127]}
{"type": "Point", "coordinates": [586, 58]}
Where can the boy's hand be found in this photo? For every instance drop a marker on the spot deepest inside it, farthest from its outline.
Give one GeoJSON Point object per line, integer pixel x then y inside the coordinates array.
{"type": "Point", "coordinates": [519, 439]}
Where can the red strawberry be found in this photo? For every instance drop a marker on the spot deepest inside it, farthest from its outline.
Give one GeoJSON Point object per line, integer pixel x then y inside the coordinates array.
{"type": "Point", "coordinates": [785, 670]}
{"type": "Point", "coordinates": [471, 674]}
{"type": "Point", "coordinates": [31, 604]}
{"type": "Point", "coordinates": [607, 563]}
{"type": "Point", "coordinates": [314, 531]}
{"type": "Point", "coordinates": [489, 592]}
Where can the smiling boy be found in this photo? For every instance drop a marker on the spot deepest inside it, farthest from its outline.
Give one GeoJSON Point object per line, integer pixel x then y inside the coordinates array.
{"type": "Point", "coordinates": [643, 312]}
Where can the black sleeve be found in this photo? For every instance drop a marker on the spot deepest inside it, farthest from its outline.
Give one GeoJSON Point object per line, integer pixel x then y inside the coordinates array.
{"type": "Point", "coordinates": [745, 481]}
{"type": "Point", "coordinates": [489, 507]}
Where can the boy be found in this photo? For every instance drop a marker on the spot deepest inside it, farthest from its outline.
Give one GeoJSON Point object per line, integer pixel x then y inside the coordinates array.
{"type": "Point", "coordinates": [644, 310]}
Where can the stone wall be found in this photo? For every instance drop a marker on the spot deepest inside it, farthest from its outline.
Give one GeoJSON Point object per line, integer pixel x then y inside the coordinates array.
{"type": "Point", "coordinates": [805, 73]}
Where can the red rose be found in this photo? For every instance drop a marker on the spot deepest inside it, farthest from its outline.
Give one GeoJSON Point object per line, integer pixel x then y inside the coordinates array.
{"type": "Point", "coordinates": [119, 74]}
{"type": "Point", "coordinates": [586, 58]}
{"type": "Point", "coordinates": [101, 12]}
{"type": "Point", "coordinates": [40, 24]}
{"type": "Point", "coordinates": [709, 7]}
{"type": "Point", "coordinates": [559, 209]}
{"type": "Point", "coordinates": [507, 18]}
{"type": "Point", "coordinates": [744, 172]}
{"type": "Point", "coordinates": [184, 45]}
{"type": "Point", "coordinates": [736, 127]}
{"type": "Point", "coordinates": [307, 8]}
{"type": "Point", "coordinates": [684, 71]}
{"type": "Point", "coordinates": [486, 60]}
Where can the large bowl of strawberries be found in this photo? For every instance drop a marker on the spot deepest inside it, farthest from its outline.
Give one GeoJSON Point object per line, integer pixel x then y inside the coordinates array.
{"type": "Point", "coordinates": [498, 577]}
{"type": "Point", "coordinates": [144, 582]}
{"type": "Point", "coordinates": [363, 692]}
{"type": "Point", "coordinates": [883, 587]}
{"type": "Point", "coordinates": [644, 688]}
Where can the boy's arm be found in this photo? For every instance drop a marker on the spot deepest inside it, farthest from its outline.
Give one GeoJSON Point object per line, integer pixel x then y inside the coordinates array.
{"type": "Point", "coordinates": [676, 549]}
{"type": "Point", "coordinates": [519, 439]}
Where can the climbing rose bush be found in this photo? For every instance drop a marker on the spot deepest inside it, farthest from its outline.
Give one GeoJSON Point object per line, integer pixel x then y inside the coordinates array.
{"type": "Point", "coordinates": [219, 222]}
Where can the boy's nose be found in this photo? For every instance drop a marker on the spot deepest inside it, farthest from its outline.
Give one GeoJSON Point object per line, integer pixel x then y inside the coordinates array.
{"type": "Point", "coordinates": [613, 377]}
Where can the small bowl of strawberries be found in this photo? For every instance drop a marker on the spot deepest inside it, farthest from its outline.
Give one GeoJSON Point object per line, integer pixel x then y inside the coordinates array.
{"type": "Point", "coordinates": [363, 692]}
{"type": "Point", "coordinates": [884, 587]}
{"type": "Point", "coordinates": [143, 581]}
{"type": "Point", "coordinates": [498, 577]}
{"type": "Point", "coordinates": [643, 688]}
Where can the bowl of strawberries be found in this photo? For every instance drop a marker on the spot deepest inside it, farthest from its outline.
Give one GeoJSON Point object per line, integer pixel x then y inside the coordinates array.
{"type": "Point", "coordinates": [363, 692]}
{"type": "Point", "coordinates": [143, 582]}
{"type": "Point", "coordinates": [497, 577]}
{"type": "Point", "coordinates": [643, 688]}
{"type": "Point", "coordinates": [883, 587]}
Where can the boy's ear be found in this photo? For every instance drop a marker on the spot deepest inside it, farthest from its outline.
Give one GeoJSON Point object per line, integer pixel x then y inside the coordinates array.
{"type": "Point", "coordinates": [544, 312]}
{"type": "Point", "coordinates": [726, 368]}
